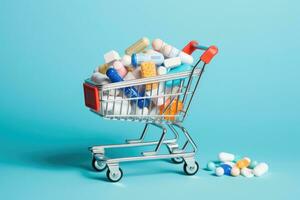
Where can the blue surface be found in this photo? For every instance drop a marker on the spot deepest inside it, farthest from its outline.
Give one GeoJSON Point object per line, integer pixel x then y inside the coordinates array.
{"type": "Point", "coordinates": [248, 102]}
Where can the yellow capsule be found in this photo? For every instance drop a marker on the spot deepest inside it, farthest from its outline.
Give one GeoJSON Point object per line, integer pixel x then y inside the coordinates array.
{"type": "Point", "coordinates": [137, 47]}
{"type": "Point", "coordinates": [103, 68]}
{"type": "Point", "coordinates": [148, 69]}
{"type": "Point", "coordinates": [243, 163]}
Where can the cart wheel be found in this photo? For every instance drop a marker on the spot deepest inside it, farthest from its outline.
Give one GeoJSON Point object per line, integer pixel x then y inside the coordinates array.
{"type": "Point", "coordinates": [191, 170]}
{"type": "Point", "coordinates": [114, 176]}
{"type": "Point", "coordinates": [177, 160]}
{"type": "Point", "coordinates": [99, 165]}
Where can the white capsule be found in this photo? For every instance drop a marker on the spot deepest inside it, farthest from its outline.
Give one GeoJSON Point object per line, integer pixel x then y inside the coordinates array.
{"type": "Point", "coordinates": [129, 76]}
{"type": "Point", "coordinates": [99, 78]}
{"type": "Point", "coordinates": [122, 107]}
{"type": "Point", "coordinates": [226, 157]}
{"type": "Point", "coordinates": [156, 101]}
{"type": "Point", "coordinates": [107, 103]}
{"type": "Point", "coordinates": [161, 70]}
{"type": "Point", "coordinates": [143, 111]}
{"type": "Point", "coordinates": [170, 51]}
{"type": "Point", "coordinates": [159, 92]}
{"type": "Point", "coordinates": [126, 60]}
{"type": "Point", "coordinates": [157, 44]}
{"type": "Point", "coordinates": [219, 171]}
{"type": "Point", "coordinates": [248, 173]}
{"type": "Point", "coordinates": [111, 56]}
{"type": "Point", "coordinates": [186, 58]}
{"type": "Point", "coordinates": [260, 169]}
{"type": "Point", "coordinates": [172, 62]}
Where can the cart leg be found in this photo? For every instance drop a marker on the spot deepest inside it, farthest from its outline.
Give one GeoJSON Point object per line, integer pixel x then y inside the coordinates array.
{"type": "Point", "coordinates": [160, 142]}
{"type": "Point", "coordinates": [174, 147]}
{"type": "Point", "coordinates": [141, 139]}
{"type": "Point", "coordinates": [188, 137]}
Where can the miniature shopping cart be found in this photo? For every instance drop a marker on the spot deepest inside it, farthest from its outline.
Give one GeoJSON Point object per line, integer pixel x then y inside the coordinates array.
{"type": "Point", "coordinates": [175, 93]}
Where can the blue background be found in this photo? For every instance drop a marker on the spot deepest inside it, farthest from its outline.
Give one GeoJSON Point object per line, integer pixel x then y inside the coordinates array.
{"type": "Point", "coordinates": [247, 103]}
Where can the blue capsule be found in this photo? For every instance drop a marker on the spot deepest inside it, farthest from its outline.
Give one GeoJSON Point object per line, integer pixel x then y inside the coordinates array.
{"type": "Point", "coordinates": [227, 168]}
{"type": "Point", "coordinates": [137, 59]}
{"type": "Point", "coordinates": [130, 92]}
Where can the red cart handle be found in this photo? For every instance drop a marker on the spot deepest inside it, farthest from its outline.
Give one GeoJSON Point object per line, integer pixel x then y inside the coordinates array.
{"type": "Point", "coordinates": [207, 56]}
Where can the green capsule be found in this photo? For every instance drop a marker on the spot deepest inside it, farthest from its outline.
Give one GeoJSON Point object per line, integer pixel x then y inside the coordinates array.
{"type": "Point", "coordinates": [253, 164]}
{"type": "Point", "coordinates": [211, 166]}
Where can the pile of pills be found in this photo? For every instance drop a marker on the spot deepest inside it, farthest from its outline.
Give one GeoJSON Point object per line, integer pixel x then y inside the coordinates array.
{"type": "Point", "coordinates": [229, 165]}
{"type": "Point", "coordinates": [140, 61]}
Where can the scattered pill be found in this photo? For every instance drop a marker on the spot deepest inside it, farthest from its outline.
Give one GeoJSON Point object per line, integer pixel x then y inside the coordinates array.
{"type": "Point", "coordinates": [260, 169]}
{"type": "Point", "coordinates": [243, 163]}
{"type": "Point", "coordinates": [246, 172]}
{"type": "Point", "coordinates": [227, 169]}
{"type": "Point", "coordinates": [231, 166]}
{"type": "Point", "coordinates": [219, 171]}
{"type": "Point", "coordinates": [226, 157]}
{"type": "Point", "coordinates": [253, 164]}
{"type": "Point", "coordinates": [235, 171]}
{"type": "Point", "coordinates": [211, 166]}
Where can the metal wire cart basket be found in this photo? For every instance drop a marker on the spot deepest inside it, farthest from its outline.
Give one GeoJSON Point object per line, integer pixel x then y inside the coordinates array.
{"type": "Point", "coordinates": [175, 90]}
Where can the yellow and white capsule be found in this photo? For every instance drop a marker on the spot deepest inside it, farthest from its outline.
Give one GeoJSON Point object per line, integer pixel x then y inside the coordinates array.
{"type": "Point", "coordinates": [138, 46]}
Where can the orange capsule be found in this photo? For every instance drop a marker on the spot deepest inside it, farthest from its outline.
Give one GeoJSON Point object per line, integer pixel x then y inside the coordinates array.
{"type": "Point", "coordinates": [172, 110]}
{"type": "Point", "coordinates": [245, 162]}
